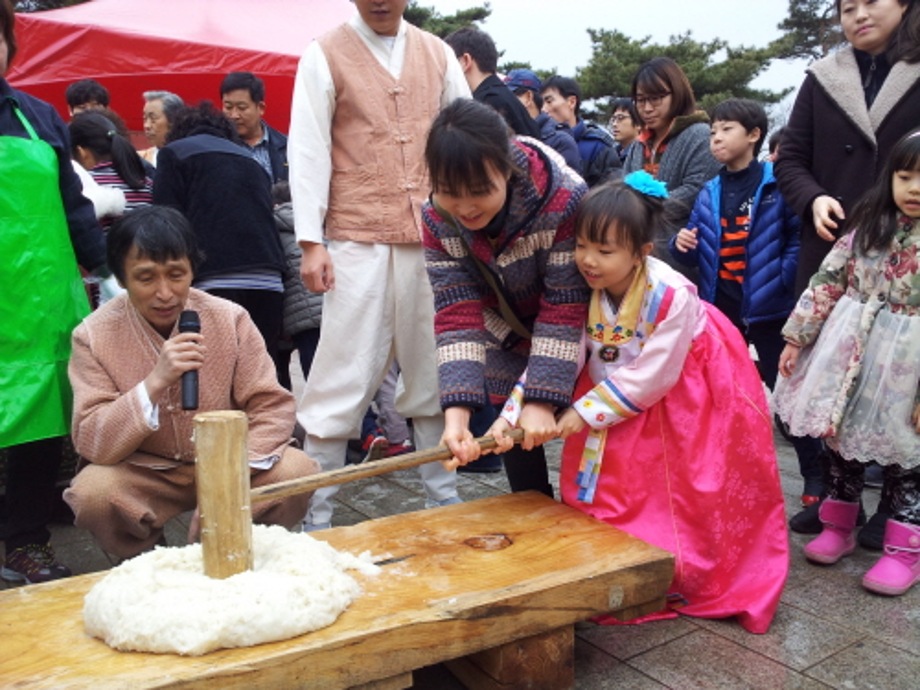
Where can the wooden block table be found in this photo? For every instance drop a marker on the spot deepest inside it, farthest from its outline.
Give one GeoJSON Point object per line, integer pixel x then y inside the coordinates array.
{"type": "Point", "coordinates": [495, 585]}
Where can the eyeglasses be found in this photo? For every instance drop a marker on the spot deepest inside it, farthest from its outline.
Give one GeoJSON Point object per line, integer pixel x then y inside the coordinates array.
{"type": "Point", "coordinates": [653, 101]}
{"type": "Point", "coordinates": [620, 117]}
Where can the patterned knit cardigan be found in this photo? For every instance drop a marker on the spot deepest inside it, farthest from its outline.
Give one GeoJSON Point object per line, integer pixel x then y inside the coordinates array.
{"type": "Point", "coordinates": [533, 259]}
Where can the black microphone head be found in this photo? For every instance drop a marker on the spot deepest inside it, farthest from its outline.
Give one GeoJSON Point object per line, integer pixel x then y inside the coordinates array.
{"type": "Point", "coordinates": [189, 322]}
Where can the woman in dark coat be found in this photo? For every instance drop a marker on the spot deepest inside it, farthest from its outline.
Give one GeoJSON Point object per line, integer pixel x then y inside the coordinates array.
{"type": "Point", "coordinates": [853, 106]}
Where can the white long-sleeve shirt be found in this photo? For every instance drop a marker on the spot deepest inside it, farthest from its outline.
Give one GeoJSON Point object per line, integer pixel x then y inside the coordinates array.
{"type": "Point", "coordinates": [312, 110]}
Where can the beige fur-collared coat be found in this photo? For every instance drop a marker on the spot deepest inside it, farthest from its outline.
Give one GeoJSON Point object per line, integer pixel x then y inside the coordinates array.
{"type": "Point", "coordinates": [835, 145]}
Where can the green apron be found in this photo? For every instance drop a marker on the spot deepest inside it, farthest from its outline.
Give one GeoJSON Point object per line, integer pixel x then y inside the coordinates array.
{"type": "Point", "coordinates": [41, 294]}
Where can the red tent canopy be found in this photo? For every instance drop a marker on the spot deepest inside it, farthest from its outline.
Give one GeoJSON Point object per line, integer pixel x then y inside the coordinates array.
{"type": "Point", "coordinates": [184, 46]}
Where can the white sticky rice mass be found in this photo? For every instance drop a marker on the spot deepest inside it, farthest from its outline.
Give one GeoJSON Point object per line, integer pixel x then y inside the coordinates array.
{"type": "Point", "coordinates": [162, 601]}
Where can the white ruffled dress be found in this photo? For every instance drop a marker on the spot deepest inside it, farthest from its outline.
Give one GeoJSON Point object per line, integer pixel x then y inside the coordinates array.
{"type": "Point", "coordinates": [856, 380]}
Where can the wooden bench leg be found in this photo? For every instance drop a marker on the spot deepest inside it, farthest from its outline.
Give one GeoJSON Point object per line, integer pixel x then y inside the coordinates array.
{"type": "Point", "coordinates": [541, 662]}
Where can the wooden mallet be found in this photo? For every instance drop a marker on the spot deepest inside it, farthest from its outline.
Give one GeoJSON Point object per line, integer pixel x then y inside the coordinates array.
{"type": "Point", "coordinates": [225, 498]}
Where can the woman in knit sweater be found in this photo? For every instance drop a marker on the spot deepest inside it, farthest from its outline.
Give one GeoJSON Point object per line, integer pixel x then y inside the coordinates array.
{"type": "Point", "coordinates": [674, 144]}
{"type": "Point", "coordinates": [499, 243]}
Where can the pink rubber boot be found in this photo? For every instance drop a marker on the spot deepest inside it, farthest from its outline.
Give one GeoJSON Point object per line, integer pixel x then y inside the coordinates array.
{"type": "Point", "coordinates": [837, 538]}
{"type": "Point", "coordinates": [899, 569]}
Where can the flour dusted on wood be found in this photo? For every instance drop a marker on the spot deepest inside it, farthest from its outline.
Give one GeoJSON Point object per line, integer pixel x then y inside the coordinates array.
{"type": "Point", "coordinates": [162, 601]}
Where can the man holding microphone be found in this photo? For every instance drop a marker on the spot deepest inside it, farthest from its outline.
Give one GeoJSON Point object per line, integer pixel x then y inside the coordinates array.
{"type": "Point", "coordinates": [133, 371]}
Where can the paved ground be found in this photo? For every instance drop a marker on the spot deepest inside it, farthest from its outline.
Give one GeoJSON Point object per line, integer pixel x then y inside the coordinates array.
{"type": "Point", "coordinates": [829, 632]}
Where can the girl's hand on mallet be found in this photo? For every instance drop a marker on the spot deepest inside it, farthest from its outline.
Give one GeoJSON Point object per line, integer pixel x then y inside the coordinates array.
{"type": "Point", "coordinates": [499, 431]}
{"type": "Point", "coordinates": [569, 422]}
{"type": "Point", "coordinates": [538, 420]}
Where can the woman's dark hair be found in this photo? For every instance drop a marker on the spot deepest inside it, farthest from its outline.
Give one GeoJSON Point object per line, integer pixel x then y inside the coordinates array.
{"type": "Point", "coordinates": [94, 131]}
{"type": "Point", "coordinates": [160, 233]}
{"type": "Point", "coordinates": [464, 138]}
{"type": "Point", "coordinates": [203, 118]}
{"type": "Point", "coordinates": [116, 119]}
{"type": "Point", "coordinates": [662, 75]}
{"type": "Point", "coordinates": [634, 217]}
{"type": "Point", "coordinates": [905, 41]}
{"type": "Point", "coordinates": [905, 44]}
{"type": "Point", "coordinates": [875, 216]}
{"type": "Point", "coordinates": [8, 25]}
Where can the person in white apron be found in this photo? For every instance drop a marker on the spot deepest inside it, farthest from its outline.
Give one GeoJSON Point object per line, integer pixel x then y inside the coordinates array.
{"type": "Point", "coordinates": [44, 219]}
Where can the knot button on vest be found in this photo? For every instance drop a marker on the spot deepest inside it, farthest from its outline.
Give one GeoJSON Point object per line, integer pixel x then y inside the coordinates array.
{"type": "Point", "coordinates": [379, 127]}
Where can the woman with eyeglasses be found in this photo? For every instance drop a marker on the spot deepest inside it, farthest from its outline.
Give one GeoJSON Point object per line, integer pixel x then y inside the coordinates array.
{"type": "Point", "coordinates": [673, 145]}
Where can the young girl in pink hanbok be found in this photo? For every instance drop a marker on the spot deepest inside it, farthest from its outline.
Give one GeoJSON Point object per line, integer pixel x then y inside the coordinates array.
{"type": "Point", "coordinates": [669, 437]}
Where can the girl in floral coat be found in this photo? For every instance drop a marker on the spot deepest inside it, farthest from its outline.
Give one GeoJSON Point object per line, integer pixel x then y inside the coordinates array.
{"type": "Point", "coordinates": [852, 366]}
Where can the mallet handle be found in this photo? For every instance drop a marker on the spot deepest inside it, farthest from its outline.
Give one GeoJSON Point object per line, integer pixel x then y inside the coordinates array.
{"type": "Point", "coordinates": [350, 473]}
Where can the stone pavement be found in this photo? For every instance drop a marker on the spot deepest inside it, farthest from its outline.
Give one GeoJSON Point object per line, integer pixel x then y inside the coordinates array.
{"type": "Point", "coordinates": [828, 633]}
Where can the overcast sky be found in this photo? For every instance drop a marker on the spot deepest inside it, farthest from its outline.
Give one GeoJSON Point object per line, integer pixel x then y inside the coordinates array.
{"type": "Point", "coordinates": [553, 35]}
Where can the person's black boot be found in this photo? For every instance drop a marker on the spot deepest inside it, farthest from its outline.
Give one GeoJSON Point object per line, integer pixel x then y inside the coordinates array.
{"type": "Point", "coordinates": [806, 520]}
{"type": "Point", "coordinates": [872, 536]}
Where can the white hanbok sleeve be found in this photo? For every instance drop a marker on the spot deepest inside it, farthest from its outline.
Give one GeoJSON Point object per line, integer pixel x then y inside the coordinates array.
{"type": "Point", "coordinates": [310, 143]}
{"type": "Point", "coordinates": [631, 388]}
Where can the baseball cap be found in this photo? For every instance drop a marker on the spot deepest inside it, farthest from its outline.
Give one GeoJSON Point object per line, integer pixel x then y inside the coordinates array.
{"type": "Point", "coordinates": [523, 79]}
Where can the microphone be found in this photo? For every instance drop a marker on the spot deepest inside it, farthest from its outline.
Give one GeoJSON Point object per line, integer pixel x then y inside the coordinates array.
{"type": "Point", "coordinates": [189, 323]}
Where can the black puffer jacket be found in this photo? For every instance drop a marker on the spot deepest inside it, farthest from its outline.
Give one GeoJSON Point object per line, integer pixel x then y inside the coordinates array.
{"type": "Point", "coordinates": [303, 309]}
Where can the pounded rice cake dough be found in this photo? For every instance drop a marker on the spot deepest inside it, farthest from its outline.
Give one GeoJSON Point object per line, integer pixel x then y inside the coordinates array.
{"type": "Point", "coordinates": [162, 601]}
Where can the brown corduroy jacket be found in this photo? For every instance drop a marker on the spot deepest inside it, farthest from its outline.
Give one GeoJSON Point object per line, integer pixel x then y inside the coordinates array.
{"type": "Point", "coordinates": [114, 350]}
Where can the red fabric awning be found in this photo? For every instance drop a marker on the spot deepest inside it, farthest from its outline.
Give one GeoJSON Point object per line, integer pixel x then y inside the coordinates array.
{"type": "Point", "coordinates": [184, 46]}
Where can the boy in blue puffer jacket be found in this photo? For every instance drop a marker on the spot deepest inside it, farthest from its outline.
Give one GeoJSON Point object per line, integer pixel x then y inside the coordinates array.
{"type": "Point", "coordinates": [745, 241]}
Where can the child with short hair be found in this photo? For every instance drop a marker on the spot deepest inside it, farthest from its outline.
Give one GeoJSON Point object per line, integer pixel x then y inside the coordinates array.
{"type": "Point", "coordinates": [669, 436]}
{"type": "Point", "coordinates": [851, 368]}
{"type": "Point", "coordinates": [744, 239]}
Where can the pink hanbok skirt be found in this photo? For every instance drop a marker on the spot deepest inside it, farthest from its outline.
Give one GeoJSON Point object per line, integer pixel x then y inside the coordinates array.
{"type": "Point", "coordinates": [696, 475]}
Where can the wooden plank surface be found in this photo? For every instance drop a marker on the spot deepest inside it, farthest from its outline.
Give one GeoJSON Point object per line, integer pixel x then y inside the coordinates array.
{"type": "Point", "coordinates": [460, 579]}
